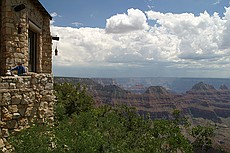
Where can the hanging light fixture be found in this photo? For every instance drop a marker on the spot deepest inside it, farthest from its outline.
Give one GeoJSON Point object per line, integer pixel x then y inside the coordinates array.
{"type": "Point", "coordinates": [55, 38]}
{"type": "Point", "coordinates": [56, 51]}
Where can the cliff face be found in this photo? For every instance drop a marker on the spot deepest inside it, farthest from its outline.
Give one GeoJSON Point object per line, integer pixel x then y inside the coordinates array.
{"type": "Point", "coordinates": [202, 87]}
{"type": "Point", "coordinates": [203, 104]}
{"type": "Point", "coordinates": [201, 101]}
{"type": "Point", "coordinates": [223, 87]}
{"type": "Point", "coordinates": [158, 90]}
{"type": "Point", "coordinates": [205, 101]}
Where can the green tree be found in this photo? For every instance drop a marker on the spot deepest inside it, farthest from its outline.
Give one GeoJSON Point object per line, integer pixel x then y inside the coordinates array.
{"type": "Point", "coordinates": [72, 99]}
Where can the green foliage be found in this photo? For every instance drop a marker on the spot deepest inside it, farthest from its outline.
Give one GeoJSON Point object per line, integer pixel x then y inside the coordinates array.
{"type": "Point", "coordinates": [203, 137]}
{"type": "Point", "coordinates": [84, 129]}
{"type": "Point", "coordinates": [105, 129]}
{"type": "Point", "coordinates": [37, 138]}
{"type": "Point", "coordinates": [72, 99]}
{"type": "Point", "coordinates": [119, 129]}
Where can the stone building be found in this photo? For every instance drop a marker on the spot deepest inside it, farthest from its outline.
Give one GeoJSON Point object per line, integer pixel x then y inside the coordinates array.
{"type": "Point", "coordinates": [24, 37]}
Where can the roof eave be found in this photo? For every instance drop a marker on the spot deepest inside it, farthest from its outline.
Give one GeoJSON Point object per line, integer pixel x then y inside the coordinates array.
{"type": "Point", "coordinates": [42, 8]}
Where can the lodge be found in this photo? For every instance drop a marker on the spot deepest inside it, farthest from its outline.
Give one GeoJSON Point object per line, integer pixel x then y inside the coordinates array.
{"type": "Point", "coordinates": [25, 37]}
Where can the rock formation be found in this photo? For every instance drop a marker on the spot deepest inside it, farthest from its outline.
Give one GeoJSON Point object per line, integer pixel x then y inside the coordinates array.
{"type": "Point", "coordinates": [157, 90]}
{"type": "Point", "coordinates": [223, 87]}
{"type": "Point", "coordinates": [202, 87]}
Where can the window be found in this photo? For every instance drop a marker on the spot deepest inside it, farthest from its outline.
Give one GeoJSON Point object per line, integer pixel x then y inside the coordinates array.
{"type": "Point", "coordinates": [32, 44]}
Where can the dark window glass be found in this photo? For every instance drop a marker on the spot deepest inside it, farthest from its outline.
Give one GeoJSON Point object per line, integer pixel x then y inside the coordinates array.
{"type": "Point", "coordinates": [32, 44]}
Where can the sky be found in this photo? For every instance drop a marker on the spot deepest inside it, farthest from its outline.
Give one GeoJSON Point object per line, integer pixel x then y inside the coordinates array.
{"type": "Point", "coordinates": [141, 38]}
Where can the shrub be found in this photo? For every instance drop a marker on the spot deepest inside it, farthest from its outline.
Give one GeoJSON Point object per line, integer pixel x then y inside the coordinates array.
{"type": "Point", "coordinates": [37, 138]}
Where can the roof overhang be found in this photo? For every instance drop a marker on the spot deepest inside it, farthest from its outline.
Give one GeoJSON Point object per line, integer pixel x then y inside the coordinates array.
{"type": "Point", "coordinates": [41, 7]}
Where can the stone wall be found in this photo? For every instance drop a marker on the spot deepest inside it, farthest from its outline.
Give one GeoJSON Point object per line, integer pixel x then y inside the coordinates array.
{"type": "Point", "coordinates": [23, 101]}
{"type": "Point", "coordinates": [14, 45]}
{"type": "Point", "coordinates": [1, 54]}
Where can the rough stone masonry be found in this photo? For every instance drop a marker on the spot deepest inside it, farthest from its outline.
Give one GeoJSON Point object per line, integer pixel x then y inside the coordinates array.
{"type": "Point", "coordinates": [15, 43]}
{"type": "Point", "coordinates": [24, 37]}
{"type": "Point", "coordinates": [24, 101]}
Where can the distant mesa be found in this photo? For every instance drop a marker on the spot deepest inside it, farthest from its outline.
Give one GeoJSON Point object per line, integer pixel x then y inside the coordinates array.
{"type": "Point", "coordinates": [223, 87]}
{"type": "Point", "coordinates": [202, 87]}
{"type": "Point", "coordinates": [115, 89]}
{"type": "Point", "coordinates": [156, 90]}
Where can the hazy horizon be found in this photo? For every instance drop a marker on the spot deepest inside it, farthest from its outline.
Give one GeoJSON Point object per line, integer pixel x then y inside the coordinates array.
{"type": "Point", "coordinates": [140, 77]}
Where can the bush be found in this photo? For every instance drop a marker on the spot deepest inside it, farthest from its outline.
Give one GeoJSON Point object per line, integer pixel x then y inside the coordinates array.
{"type": "Point", "coordinates": [37, 138]}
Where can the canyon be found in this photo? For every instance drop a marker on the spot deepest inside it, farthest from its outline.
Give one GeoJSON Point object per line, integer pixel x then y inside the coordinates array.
{"type": "Point", "coordinates": [203, 104]}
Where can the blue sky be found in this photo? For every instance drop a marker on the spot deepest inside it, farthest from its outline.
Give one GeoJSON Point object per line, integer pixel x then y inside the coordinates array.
{"type": "Point", "coordinates": [141, 38]}
{"type": "Point", "coordinates": [93, 13]}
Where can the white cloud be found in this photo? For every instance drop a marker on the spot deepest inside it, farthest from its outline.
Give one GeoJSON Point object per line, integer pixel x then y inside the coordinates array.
{"type": "Point", "coordinates": [150, 6]}
{"type": "Point", "coordinates": [226, 32]}
{"type": "Point", "coordinates": [217, 2]}
{"type": "Point", "coordinates": [177, 41]}
{"type": "Point", "coordinates": [200, 37]}
{"type": "Point", "coordinates": [121, 23]}
{"type": "Point", "coordinates": [77, 24]}
{"type": "Point", "coordinates": [82, 46]}
{"type": "Point", "coordinates": [54, 15]}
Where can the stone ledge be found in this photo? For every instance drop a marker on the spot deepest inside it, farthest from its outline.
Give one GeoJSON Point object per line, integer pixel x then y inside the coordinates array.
{"type": "Point", "coordinates": [29, 97]}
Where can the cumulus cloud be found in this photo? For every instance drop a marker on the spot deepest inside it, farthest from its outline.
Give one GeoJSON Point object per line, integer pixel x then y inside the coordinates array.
{"type": "Point", "coordinates": [81, 46]}
{"type": "Point", "coordinates": [226, 33]}
{"type": "Point", "coordinates": [201, 37]}
{"type": "Point", "coordinates": [177, 41]}
{"type": "Point", "coordinates": [121, 23]}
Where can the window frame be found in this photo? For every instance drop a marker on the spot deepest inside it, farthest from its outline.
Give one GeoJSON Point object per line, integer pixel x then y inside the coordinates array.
{"type": "Point", "coordinates": [33, 47]}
